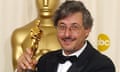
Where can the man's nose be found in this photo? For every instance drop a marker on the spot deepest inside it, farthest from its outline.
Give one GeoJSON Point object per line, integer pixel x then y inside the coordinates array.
{"type": "Point", "coordinates": [67, 32]}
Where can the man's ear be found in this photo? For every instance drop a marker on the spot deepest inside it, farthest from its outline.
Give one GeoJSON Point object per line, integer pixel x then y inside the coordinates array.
{"type": "Point", "coordinates": [88, 30]}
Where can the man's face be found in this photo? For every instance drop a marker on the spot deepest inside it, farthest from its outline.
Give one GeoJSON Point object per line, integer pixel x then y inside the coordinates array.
{"type": "Point", "coordinates": [71, 33]}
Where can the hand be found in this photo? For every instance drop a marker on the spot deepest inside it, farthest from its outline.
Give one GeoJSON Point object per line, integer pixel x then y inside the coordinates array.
{"type": "Point", "coordinates": [25, 61]}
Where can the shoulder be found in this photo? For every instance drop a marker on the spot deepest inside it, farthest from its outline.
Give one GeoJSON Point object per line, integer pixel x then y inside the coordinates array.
{"type": "Point", "coordinates": [98, 61]}
{"type": "Point", "coordinates": [101, 61]}
{"type": "Point", "coordinates": [48, 57]}
{"type": "Point", "coordinates": [96, 55]}
{"type": "Point", "coordinates": [51, 54]}
{"type": "Point", "coordinates": [100, 58]}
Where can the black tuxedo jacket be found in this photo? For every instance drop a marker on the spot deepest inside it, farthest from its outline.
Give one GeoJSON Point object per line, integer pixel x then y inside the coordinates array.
{"type": "Point", "coordinates": [90, 60]}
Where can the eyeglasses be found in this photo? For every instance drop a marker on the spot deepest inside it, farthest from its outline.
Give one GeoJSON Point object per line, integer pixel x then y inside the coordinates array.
{"type": "Point", "coordinates": [75, 28]}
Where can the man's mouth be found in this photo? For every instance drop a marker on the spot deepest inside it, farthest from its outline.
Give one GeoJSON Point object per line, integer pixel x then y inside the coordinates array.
{"type": "Point", "coordinates": [68, 40]}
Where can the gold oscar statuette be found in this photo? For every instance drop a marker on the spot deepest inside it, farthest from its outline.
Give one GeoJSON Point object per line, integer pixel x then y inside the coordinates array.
{"type": "Point", "coordinates": [22, 38]}
{"type": "Point", "coordinates": [35, 33]}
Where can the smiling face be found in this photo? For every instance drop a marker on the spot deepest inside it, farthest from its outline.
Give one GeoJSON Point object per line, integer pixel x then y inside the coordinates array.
{"type": "Point", "coordinates": [71, 32]}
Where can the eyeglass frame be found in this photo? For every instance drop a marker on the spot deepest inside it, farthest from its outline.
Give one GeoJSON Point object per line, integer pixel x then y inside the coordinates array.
{"type": "Point", "coordinates": [74, 28]}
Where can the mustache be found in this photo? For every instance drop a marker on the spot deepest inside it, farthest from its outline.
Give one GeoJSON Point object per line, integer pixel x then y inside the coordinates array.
{"type": "Point", "coordinates": [68, 38]}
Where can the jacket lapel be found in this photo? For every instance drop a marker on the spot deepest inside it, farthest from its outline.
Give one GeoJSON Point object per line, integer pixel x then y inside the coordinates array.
{"type": "Point", "coordinates": [83, 59]}
{"type": "Point", "coordinates": [53, 64]}
{"type": "Point", "coordinates": [52, 67]}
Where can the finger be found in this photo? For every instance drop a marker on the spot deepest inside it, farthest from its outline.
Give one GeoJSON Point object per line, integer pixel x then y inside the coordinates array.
{"type": "Point", "coordinates": [28, 57]}
{"type": "Point", "coordinates": [24, 61]}
{"type": "Point", "coordinates": [34, 62]}
{"type": "Point", "coordinates": [29, 51]}
{"type": "Point", "coordinates": [24, 64]}
{"type": "Point", "coordinates": [20, 64]}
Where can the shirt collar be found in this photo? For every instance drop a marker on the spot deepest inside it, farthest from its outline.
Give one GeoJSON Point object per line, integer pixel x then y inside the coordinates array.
{"type": "Point", "coordinates": [77, 53]}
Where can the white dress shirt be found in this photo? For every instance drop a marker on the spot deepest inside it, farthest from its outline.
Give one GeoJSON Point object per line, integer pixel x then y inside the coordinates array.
{"type": "Point", "coordinates": [65, 66]}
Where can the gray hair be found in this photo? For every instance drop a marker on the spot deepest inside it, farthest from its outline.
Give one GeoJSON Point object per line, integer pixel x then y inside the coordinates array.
{"type": "Point", "coordinates": [70, 7]}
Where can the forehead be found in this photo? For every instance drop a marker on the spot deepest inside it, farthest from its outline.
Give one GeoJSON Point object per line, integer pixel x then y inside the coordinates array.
{"type": "Point", "coordinates": [75, 18]}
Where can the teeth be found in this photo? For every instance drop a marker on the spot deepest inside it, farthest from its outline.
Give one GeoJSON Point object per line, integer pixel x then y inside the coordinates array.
{"type": "Point", "coordinates": [67, 40]}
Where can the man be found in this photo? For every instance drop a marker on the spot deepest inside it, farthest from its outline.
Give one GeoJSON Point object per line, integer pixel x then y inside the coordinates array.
{"type": "Point", "coordinates": [73, 23]}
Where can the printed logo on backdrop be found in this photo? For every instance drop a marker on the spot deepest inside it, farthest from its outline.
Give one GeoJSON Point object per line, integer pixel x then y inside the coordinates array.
{"type": "Point", "coordinates": [103, 42]}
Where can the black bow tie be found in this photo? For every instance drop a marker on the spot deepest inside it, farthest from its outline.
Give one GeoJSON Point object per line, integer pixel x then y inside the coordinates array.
{"type": "Point", "coordinates": [63, 59]}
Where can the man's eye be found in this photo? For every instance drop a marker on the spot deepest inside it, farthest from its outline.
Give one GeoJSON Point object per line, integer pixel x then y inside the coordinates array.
{"type": "Point", "coordinates": [75, 27]}
{"type": "Point", "coordinates": [62, 27]}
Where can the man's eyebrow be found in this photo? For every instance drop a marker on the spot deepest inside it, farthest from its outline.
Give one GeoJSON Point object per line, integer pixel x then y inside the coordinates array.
{"type": "Point", "coordinates": [61, 23]}
{"type": "Point", "coordinates": [75, 23]}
